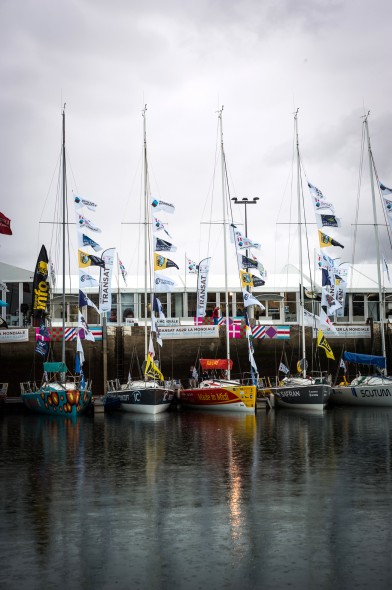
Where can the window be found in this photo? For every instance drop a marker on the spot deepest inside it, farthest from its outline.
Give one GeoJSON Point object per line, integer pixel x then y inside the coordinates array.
{"type": "Point", "coordinates": [290, 307]}
{"type": "Point", "coordinates": [373, 306]}
{"type": "Point", "coordinates": [358, 307]}
{"type": "Point", "coordinates": [211, 303]}
{"type": "Point", "coordinates": [192, 302]}
{"type": "Point", "coordinates": [177, 305]}
{"type": "Point", "coordinates": [342, 314]}
{"type": "Point", "coordinates": [128, 306]}
{"type": "Point", "coordinates": [112, 315]}
{"type": "Point", "coordinates": [260, 314]}
{"type": "Point", "coordinates": [274, 310]}
{"type": "Point", "coordinates": [93, 316]}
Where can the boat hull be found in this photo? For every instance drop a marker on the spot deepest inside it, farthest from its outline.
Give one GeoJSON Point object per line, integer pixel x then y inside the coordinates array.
{"type": "Point", "coordinates": [362, 395]}
{"type": "Point", "coordinates": [3, 394]}
{"type": "Point", "coordinates": [302, 397]}
{"type": "Point", "coordinates": [228, 399]}
{"type": "Point", "coordinates": [55, 400]}
{"type": "Point", "coordinates": [143, 400]}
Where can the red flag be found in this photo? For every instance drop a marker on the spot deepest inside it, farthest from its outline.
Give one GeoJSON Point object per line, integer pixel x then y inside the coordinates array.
{"type": "Point", "coordinates": [5, 225]}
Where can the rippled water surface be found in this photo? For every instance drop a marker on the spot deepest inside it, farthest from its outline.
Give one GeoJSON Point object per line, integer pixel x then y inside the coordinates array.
{"type": "Point", "coordinates": [189, 500]}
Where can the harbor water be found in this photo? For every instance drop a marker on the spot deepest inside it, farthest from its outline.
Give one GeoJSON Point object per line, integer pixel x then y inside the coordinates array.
{"type": "Point", "coordinates": [193, 500]}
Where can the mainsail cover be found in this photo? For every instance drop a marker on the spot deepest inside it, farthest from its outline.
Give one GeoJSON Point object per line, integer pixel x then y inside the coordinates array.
{"type": "Point", "coordinates": [210, 364]}
{"type": "Point", "coordinates": [365, 359]}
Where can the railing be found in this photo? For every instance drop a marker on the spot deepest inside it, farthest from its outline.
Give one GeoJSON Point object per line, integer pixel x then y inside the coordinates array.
{"type": "Point", "coordinates": [28, 387]}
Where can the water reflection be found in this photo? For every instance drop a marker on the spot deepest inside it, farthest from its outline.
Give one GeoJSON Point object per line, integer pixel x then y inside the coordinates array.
{"type": "Point", "coordinates": [197, 500]}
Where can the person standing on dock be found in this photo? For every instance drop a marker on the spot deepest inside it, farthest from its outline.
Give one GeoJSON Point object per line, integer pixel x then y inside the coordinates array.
{"type": "Point", "coordinates": [193, 377]}
{"type": "Point", "coordinates": [215, 315]}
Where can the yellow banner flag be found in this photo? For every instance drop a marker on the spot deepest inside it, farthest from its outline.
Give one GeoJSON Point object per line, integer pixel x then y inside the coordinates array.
{"type": "Point", "coordinates": [246, 279]}
{"type": "Point", "coordinates": [84, 259]}
{"type": "Point", "coordinates": [160, 262]}
{"type": "Point", "coordinates": [322, 343]}
{"type": "Point", "coordinates": [151, 370]}
{"type": "Point", "coordinates": [325, 240]}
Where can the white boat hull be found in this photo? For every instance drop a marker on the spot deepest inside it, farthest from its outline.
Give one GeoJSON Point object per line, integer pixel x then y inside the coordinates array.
{"type": "Point", "coordinates": [362, 395]}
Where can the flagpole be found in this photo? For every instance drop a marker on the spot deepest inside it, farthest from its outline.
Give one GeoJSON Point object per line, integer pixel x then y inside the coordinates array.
{"type": "Point", "coordinates": [64, 195]}
{"type": "Point", "coordinates": [301, 294]}
{"type": "Point", "coordinates": [145, 232]}
{"type": "Point", "coordinates": [185, 273]}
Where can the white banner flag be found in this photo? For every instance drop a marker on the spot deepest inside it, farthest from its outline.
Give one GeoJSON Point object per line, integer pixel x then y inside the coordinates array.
{"type": "Point", "coordinates": [84, 222]}
{"type": "Point", "coordinates": [79, 203]}
{"type": "Point", "coordinates": [249, 299]}
{"type": "Point", "coordinates": [241, 241]}
{"type": "Point", "coordinates": [325, 322]}
{"type": "Point", "coordinates": [105, 280]}
{"type": "Point", "coordinates": [162, 206]}
{"type": "Point", "coordinates": [319, 201]}
{"type": "Point", "coordinates": [86, 280]}
{"type": "Point", "coordinates": [163, 284]}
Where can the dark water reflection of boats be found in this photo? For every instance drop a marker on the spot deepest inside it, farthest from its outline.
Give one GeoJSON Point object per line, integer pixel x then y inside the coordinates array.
{"type": "Point", "coordinates": [197, 500]}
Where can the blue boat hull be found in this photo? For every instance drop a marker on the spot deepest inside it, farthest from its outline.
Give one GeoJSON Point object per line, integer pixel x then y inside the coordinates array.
{"type": "Point", "coordinates": [55, 400]}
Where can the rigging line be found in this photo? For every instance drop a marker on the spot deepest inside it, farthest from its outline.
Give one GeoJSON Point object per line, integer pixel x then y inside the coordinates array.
{"type": "Point", "coordinates": [210, 192]}
{"type": "Point", "coordinates": [305, 221]}
{"type": "Point", "coordinates": [381, 198]}
{"type": "Point", "coordinates": [359, 185]}
{"type": "Point", "coordinates": [232, 222]}
{"type": "Point", "coordinates": [291, 180]}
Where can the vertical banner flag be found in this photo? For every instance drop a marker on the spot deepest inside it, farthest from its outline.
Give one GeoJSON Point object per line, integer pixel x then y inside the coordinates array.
{"type": "Point", "coordinates": [40, 284]}
{"type": "Point", "coordinates": [202, 287]}
{"type": "Point", "coordinates": [105, 280]}
{"type": "Point", "coordinates": [387, 198]}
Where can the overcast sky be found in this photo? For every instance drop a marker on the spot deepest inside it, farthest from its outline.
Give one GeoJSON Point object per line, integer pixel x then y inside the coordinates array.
{"type": "Point", "coordinates": [260, 59]}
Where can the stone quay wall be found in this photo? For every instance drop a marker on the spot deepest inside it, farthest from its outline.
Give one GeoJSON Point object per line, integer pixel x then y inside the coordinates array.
{"type": "Point", "coordinates": [125, 353]}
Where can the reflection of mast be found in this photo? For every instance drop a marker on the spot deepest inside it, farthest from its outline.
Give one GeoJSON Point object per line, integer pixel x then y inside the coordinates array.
{"type": "Point", "coordinates": [381, 303]}
{"type": "Point", "coordinates": [225, 244]}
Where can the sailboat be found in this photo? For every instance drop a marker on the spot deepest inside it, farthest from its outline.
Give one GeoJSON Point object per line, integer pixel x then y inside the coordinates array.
{"type": "Point", "coordinates": [60, 393]}
{"type": "Point", "coordinates": [372, 389]}
{"type": "Point", "coordinates": [221, 394]}
{"type": "Point", "coordinates": [149, 395]}
{"type": "Point", "coordinates": [301, 392]}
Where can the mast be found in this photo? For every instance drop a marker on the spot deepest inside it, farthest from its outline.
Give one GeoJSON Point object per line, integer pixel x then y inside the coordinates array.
{"type": "Point", "coordinates": [301, 279]}
{"type": "Point", "coordinates": [64, 198]}
{"type": "Point", "coordinates": [225, 243]}
{"type": "Point", "coordinates": [381, 302]}
{"type": "Point", "coordinates": [145, 181]}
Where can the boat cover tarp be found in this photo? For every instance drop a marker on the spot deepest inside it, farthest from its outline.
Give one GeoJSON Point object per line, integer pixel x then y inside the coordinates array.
{"type": "Point", "coordinates": [55, 368]}
{"type": "Point", "coordinates": [364, 359]}
{"type": "Point", "coordinates": [210, 364]}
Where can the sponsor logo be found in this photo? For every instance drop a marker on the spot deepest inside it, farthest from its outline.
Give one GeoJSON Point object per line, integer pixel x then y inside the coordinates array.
{"type": "Point", "coordinates": [375, 392]}
{"type": "Point", "coordinates": [293, 393]}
